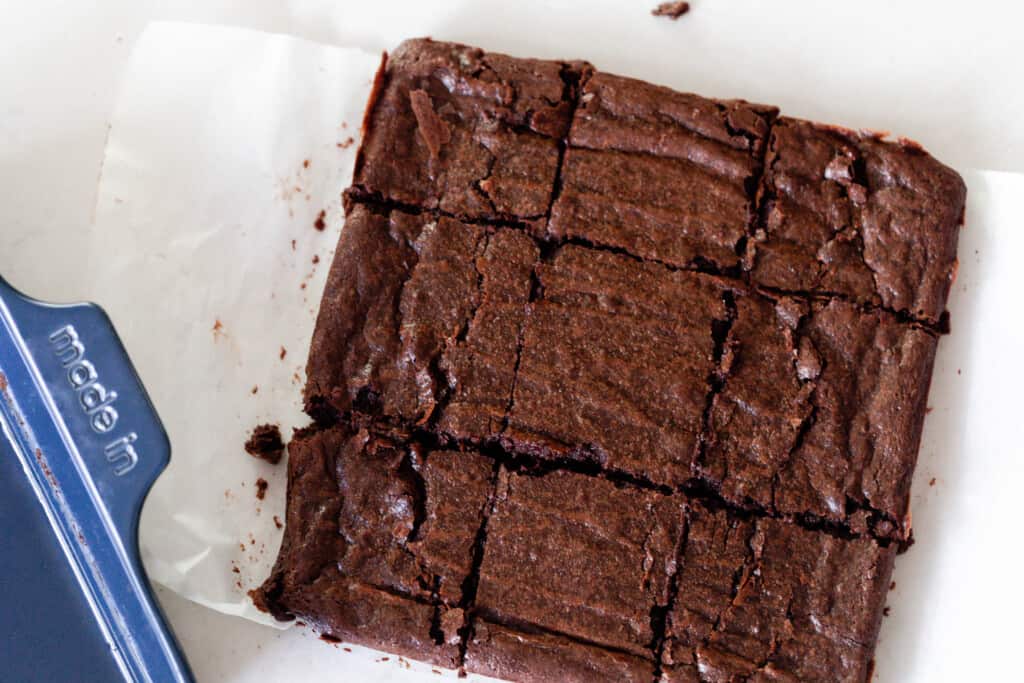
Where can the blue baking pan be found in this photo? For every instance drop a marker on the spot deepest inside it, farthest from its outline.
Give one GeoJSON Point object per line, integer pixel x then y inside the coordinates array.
{"type": "Point", "coordinates": [81, 447]}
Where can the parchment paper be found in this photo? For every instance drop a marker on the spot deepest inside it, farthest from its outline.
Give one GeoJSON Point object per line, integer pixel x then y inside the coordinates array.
{"type": "Point", "coordinates": [225, 147]}
{"type": "Point", "coordinates": [204, 188]}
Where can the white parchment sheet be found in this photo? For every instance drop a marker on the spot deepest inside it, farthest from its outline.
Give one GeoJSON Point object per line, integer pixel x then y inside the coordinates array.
{"type": "Point", "coordinates": [225, 147]}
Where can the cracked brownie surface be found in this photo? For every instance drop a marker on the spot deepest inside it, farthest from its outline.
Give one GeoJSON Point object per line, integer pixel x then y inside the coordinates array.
{"type": "Point", "coordinates": [612, 382]}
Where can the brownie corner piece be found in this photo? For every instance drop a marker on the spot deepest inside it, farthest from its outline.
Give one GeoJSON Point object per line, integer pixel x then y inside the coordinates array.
{"type": "Point", "coordinates": [661, 174]}
{"type": "Point", "coordinates": [472, 133]}
{"type": "Point", "coordinates": [852, 214]}
{"type": "Point", "coordinates": [771, 598]}
{"type": "Point", "coordinates": [379, 541]}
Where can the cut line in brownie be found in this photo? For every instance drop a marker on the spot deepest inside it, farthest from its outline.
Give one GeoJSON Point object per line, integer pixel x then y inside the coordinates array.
{"type": "Point", "coordinates": [470, 133]}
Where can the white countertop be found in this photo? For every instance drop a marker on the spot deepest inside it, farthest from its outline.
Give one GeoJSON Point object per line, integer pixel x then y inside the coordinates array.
{"type": "Point", "coordinates": [945, 73]}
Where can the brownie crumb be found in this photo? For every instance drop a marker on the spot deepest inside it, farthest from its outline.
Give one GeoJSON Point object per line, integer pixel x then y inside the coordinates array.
{"type": "Point", "coordinates": [432, 128]}
{"type": "Point", "coordinates": [261, 488]}
{"type": "Point", "coordinates": [305, 164]}
{"type": "Point", "coordinates": [328, 638]}
{"type": "Point", "coordinates": [3, 382]}
{"type": "Point", "coordinates": [892, 586]}
{"type": "Point", "coordinates": [885, 612]}
{"type": "Point", "coordinates": [265, 443]}
{"type": "Point", "coordinates": [283, 353]}
{"type": "Point", "coordinates": [320, 224]}
{"type": "Point", "coordinates": [672, 10]}
{"type": "Point", "coordinates": [932, 482]}
{"type": "Point", "coordinates": [347, 649]}
{"type": "Point", "coordinates": [236, 570]}
{"type": "Point", "coordinates": [218, 329]}
{"type": "Point", "coordinates": [348, 142]}
{"type": "Point", "coordinates": [316, 259]}
{"type": "Point", "coordinates": [255, 388]}
{"type": "Point", "coordinates": [277, 522]}
{"type": "Point", "coordinates": [293, 245]}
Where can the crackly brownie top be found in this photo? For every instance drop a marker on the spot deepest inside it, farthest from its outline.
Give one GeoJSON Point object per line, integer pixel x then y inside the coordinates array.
{"type": "Point", "coordinates": [765, 600]}
{"type": "Point", "coordinates": [389, 515]}
{"type": "Point", "coordinates": [820, 412]}
{"type": "Point", "coordinates": [473, 134]}
{"type": "Point", "coordinates": [852, 214]}
{"type": "Point", "coordinates": [665, 175]}
{"type": "Point", "coordinates": [613, 382]}
{"type": "Point", "coordinates": [579, 556]}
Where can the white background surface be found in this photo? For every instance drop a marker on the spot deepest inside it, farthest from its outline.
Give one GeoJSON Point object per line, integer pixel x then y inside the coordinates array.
{"type": "Point", "coordinates": [944, 73]}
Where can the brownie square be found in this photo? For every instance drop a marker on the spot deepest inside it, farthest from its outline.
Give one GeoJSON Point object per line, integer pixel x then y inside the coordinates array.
{"type": "Point", "coordinates": [531, 656]}
{"type": "Point", "coordinates": [850, 214]}
{"type": "Point", "coordinates": [579, 557]}
{"type": "Point", "coordinates": [615, 362]}
{"type": "Point", "coordinates": [763, 600]}
{"type": "Point", "coordinates": [401, 287]}
{"type": "Point", "coordinates": [472, 134]}
{"type": "Point", "coordinates": [664, 175]}
{"type": "Point", "coordinates": [821, 413]}
{"type": "Point", "coordinates": [379, 533]}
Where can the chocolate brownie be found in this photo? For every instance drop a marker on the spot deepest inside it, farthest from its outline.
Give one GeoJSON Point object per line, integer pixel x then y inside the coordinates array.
{"type": "Point", "coordinates": [851, 214]}
{"type": "Point", "coordinates": [615, 362]}
{"type": "Point", "coordinates": [401, 287]}
{"type": "Point", "coordinates": [664, 175]}
{"type": "Point", "coordinates": [820, 412]}
{"type": "Point", "coordinates": [759, 599]}
{"type": "Point", "coordinates": [555, 558]}
{"type": "Point", "coordinates": [612, 382]}
{"type": "Point", "coordinates": [472, 134]}
{"type": "Point", "coordinates": [379, 536]}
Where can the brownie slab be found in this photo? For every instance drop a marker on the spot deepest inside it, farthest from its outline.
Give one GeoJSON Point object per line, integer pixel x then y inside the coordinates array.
{"type": "Point", "coordinates": [763, 600]}
{"type": "Point", "coordinates": [820, 413]}
{"type": "Point", "coordinates": [851, 214]}
{"type": "Point", "coordinates": [401, 287]}
{"type": "Point", "coordinates": [470, 133]}
{"type": "Point", "coordinates": [664, 175]}
{"type": "Point", "coordinates": [581, 557]}
{"type": "Point", "coordinates": [612, 382]}
{"type": "Point", "coordinates": [379, 533]}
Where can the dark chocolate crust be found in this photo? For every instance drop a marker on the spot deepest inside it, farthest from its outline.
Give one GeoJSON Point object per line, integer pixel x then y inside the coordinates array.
{"type": "Point", "coordinates": [613, 382]}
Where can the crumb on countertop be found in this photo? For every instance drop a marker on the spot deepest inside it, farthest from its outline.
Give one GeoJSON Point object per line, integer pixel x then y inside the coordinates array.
{"type": "Point", "coordinates": [265, 443]}
{"type": "Point", "coordinates": [261, 488]}
{"type": "Point", "coordinates": [672, 10]}
{"type": "Point", "coordinates": [320, 222]}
